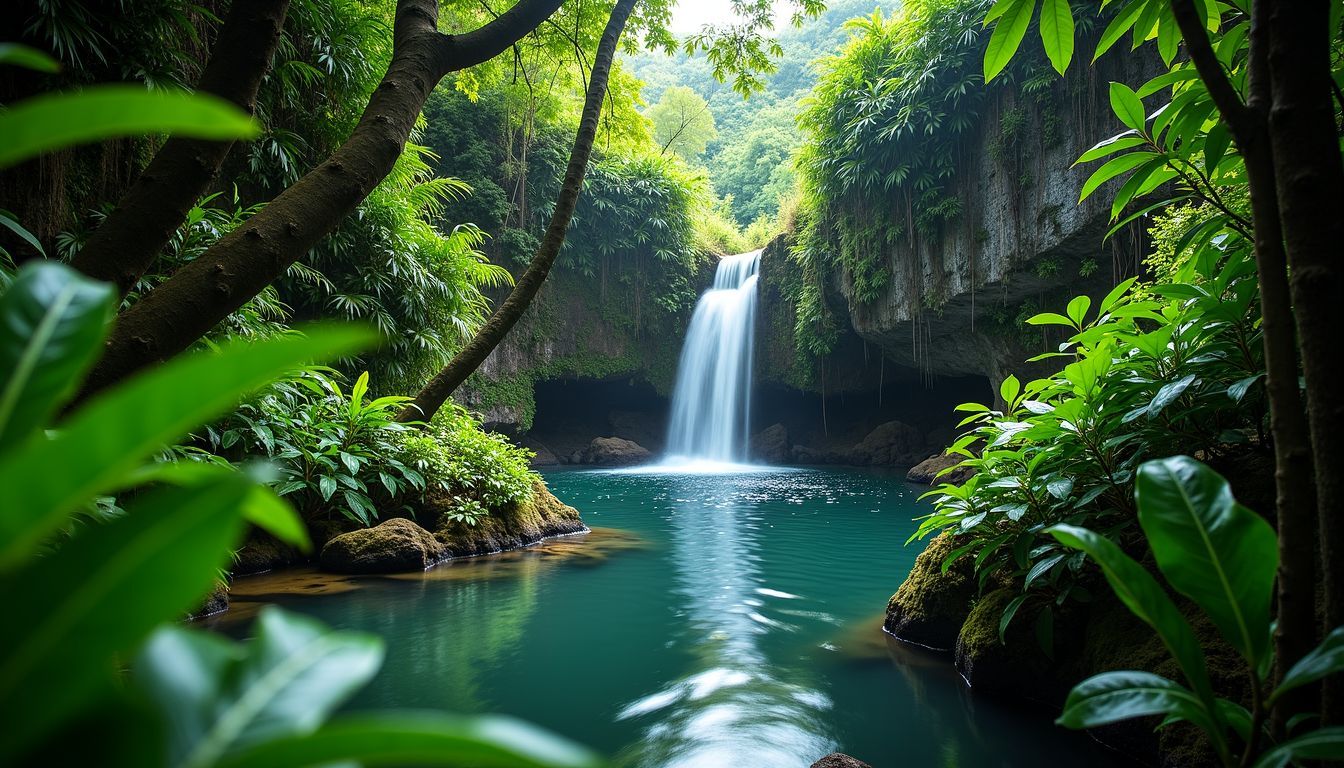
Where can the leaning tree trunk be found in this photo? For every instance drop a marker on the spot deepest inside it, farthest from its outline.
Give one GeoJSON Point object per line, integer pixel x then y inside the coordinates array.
{"type": "Point", "coordinates": [127, 242]}
{"type": "Point", "coordinates": [1295, 492]}
{"type": "Point", "coordinates": [1311, 200]}
{"type": "Point", "coordinates": [506, 315]}
{"type": "Point", "coordinates": [205, 291]}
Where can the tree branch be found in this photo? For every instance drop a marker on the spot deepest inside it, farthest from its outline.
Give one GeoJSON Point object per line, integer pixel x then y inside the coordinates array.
{"type": "Point", "coordinates": [205, 291]}
{"type": "Point", "coordinates": [1210, 70]}
{"type": "Point", "coordinates": [507, 314]}
{"type": "Point", "coordinates": [133, 235]}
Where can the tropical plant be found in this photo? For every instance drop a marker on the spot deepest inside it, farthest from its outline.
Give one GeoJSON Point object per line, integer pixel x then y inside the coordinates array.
{"type": "Point", "coordinates": [474, 466]}
{"type": "Point", "coordinates": [109, 590]}
{"type": "Point", "coordinates": [1222, 556]}
{"type": "Point", "coordinates": [332, 451]}
{"type": "Point", "coordinates": [1171, 368]}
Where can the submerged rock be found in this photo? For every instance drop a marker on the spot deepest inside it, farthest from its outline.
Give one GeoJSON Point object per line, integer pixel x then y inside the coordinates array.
{"type": "Point", "coordinates": [516, 525]}
{"type": "Point", "coordinates": [931, 605]}
{"type": "Point", "coordinates": [840, 760]}
{"type": "Point", "coordinates": [891, 444]}
{"type": "Point", "coordinates": [393, 546]}
{"type": "Point", "coordinates": [926, 471]}
{"type": "Point", "coordinates": [771, 444]}
{"type": "Point", "coordinates": [615, 452]}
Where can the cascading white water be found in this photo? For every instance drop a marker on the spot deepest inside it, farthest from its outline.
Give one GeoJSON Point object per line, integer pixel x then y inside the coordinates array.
{"type": "Point", "coordinates": [711, 404]}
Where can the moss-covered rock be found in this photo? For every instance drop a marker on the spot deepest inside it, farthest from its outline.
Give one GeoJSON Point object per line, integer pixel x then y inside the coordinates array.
{"type": "Point", "coordinates": [516, 525]}
{"type": "Point", "coordinates": [931, 605]}
{"type": "Point", "coordinates": [393, 546]}
{"type": "Point", "coordinates": [1017, 668]}
{"type": "Point", "coordinates": [615, 452]}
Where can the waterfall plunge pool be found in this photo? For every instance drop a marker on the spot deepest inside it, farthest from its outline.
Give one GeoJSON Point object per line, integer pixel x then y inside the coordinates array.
{"type": "Point", "coordinates": [740, 629]}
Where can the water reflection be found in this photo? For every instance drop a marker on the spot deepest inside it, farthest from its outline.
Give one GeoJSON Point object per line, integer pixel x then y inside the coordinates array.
{"type": "Point", "coordinates": [734, 702]}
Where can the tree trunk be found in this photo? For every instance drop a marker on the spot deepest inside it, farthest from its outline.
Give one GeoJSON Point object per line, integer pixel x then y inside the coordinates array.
{"type": "Point", "coordinates": [1295, 491]}
{"type": "Point", "coordinates": [126, 244]}
{"type": "Point", "coordinates": [1311, 203]}
{"type": "Point", "coordinates": [202, 293]}
{"type": "Point", "coordinates": [465, 362]}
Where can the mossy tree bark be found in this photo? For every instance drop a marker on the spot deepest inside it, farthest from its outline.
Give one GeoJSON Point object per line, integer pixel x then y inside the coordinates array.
{"type": "Point", "coordinates": [127, 242]}
{"type": "Point", "coordinates": [1310, 180]}
{"type": "Point", "coordinates": [202, 293]}
{"type": "Point", "coordinates": [1294, 486]}
{"type": "Point", "coordinates": [435, 393]}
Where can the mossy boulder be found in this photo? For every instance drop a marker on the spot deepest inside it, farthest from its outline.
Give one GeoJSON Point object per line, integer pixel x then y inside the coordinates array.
{"type": "Point", "coordinates": [891, 444]}
{"type": "Point", "coordinates": [615, 452]}
{"type": "Point", "coordinates": [525, 522]}
{"type": "Point", "coordinates": [931, 605]}
{"type": "Point", "coordinates": [393, 546]}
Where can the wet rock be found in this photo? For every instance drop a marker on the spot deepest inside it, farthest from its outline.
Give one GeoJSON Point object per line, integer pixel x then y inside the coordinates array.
{"type": "Point", "coordinates": [771, 444]}
{"type": "Point", "coordinates": [891, 444]}
{"type": "Point", "coordinates": [840, 760]}
{"type": "Point", "coordinates": [575, 458]}
{"type": "Point", "coordinates": [516, 525]}
{"type": "Point", "coordinates": [615, 452]}
{"type": "Point", "coordinates": [931, 605]}
{"type": "Point", "coordinates": [926, 471]}
{"type": "Point", "coordinates": [262, 552]}
{"type": "Point", "coordinates": [803, 454]}
{"type": "Point", "coordinates": [543, 457]}
{"type": "Point", "coordinates": [393, 546]}
{"type": "Point", "coordinates": [216, 602]}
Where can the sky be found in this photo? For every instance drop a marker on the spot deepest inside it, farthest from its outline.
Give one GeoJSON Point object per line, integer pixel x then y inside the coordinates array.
{"type": "Point", "coordinates": [690, 15]}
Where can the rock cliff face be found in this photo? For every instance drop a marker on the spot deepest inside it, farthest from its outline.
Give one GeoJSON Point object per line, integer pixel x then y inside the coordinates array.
{"type": "Point", "coordinates": [1021, 243]}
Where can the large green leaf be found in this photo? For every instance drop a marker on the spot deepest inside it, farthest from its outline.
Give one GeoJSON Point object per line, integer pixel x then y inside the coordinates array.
{"type": "Point", "coordinates": [15, 55]}
{"type": "Point", "coordinates": [219, 696]}
{"type": "Point", "coordinates": [1010, 28]}
{"type": "Point", "coordinates": [53, 121]}
{"type": "Point", "coordinates": [1128, 106]}
{"type": "Point", "coordinates": [1325, 659]}
{"type": "Point", "coordinates": [1210, 548]}
{"type": "Point", "coordinates": [1322, 744]}
{"type": "Point", "coordinates": [52, 322]}
{"type": "Point", "coordinates": [1115, 696]}
{"type": "Point", "coordinates": [1057, 33]}
{"type": "Point", "coordinates": [101, 593]}
{"type": "Point", "coordinates": [420, 738]}
{"type": "Point", "coordinates": [1141, 593]}
{"type": "Point", "coordinates": [118, 430]}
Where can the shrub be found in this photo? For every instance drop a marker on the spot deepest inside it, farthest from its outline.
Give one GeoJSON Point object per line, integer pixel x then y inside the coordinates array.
{"type": "Point", "coordinates": [332, 450]}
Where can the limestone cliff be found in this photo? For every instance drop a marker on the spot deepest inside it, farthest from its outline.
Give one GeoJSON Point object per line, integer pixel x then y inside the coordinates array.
{"type": "Point", "coordinates": [1021, 244]}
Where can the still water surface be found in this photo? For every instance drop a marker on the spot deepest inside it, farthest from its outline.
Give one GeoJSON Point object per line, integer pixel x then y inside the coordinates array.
{"type": "Point", "coordinates": [739, 629]}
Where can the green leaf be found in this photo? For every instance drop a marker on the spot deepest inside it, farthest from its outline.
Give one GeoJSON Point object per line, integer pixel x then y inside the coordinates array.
{"type": "Point", "coordinates": [57, 120]}
{"type": "Point", "coordinates": [1112, 168]}
{"type": "Point", "coordinates": [1009, 612]}
{"type": "Point", "coordinates": [1210, 548]}
{"type": "Point", "coordinates": [1323, 660]}
{"type": "Point", "coordinates": [119, 429]}
{"type": "Point", "coordinates": [1116, 293]}
{"type": "Point", "coordinates": [1106, 147]}
{"type": "Point", "coordinates": [1114, 696]}
{"type": "Point", "coordinates": [10, 221]}
{"type": "Point", "coordinates": [326, 484]}
{"type": "Point", "coordinates": [1009, 30]}
{"type": "Point", "coordinates": [1322, 744]}
{"type": "Point", "coordinates": [218, 698]}
{"type": "Point", "coordinates": [16, 55]}
{"type": "Point", "coordinates": [51, 330]}
{"type": "Point", "coordinates": [1168, 394]}
{"type": "Point", "coordinates": [1077, 309]}
{"type": "Point", "coordinates": [1009, 389]}
{"type": "Point", "coordinates": [1141, 593]}
{"type": "Point", "coordinates": [1057, 33]}
{"type": "Point", "coordinates": [101, 594]}
{"type": "Point", "coordinates": [1050, 318]}
{"type": "Point", "coordinates": [420, 738]}
{"type": "Point", "coordinates": [1128, 106]}
{"type": "Point", "coordinates": [1119, 26]}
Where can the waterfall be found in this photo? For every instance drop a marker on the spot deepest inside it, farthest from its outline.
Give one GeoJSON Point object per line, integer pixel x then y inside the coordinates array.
{"type": "Point", "coordinates": [711, 404]}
